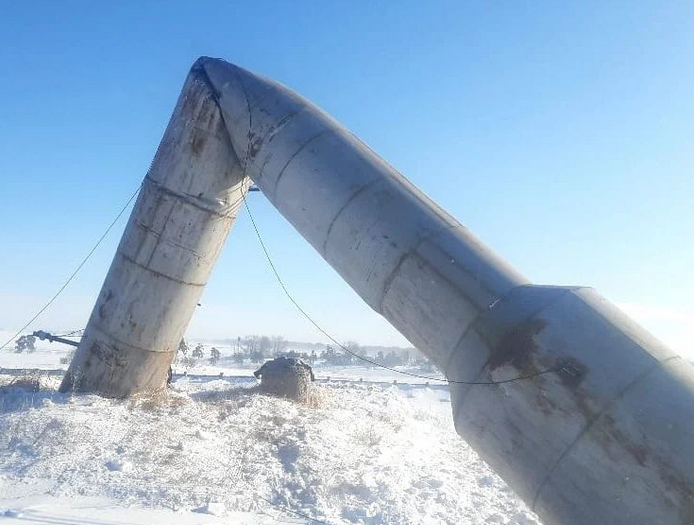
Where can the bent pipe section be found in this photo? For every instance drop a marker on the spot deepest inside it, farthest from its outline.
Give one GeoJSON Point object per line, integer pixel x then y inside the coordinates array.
{"type": "Point", "coordinates": [604, 438]}
{"type": "Point", "coordinates": [186, 207]}
{"type": "Point", "coordinates": [607, 438]}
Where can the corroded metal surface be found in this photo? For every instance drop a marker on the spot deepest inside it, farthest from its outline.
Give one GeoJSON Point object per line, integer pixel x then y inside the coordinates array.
{"type": "Point", "coordinates": [605, 436]}
{"type": "Point", "coordinates": [187, 204]}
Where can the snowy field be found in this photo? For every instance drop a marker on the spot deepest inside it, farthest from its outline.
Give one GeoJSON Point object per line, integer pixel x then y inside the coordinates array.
{"type": "Point", "coordinates": [215, 450]}
{"type": "Point", "coordinates": [48, 355]}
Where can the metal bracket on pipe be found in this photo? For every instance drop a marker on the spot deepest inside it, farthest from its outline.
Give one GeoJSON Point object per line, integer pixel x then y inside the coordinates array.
{"type": "Point", "coordinates": [45, 336]}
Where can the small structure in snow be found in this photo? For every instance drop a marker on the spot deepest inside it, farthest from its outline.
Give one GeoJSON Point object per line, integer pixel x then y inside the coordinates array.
{"type": "Point", "coordinates": [286, 377]}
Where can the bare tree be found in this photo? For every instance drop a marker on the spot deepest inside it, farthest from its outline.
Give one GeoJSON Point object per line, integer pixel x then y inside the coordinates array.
{"type": "Point", "coordinates": [264, 344]}
{"type": "Point", "coordinates": [279, 344]}
{"type": "Point", "coordinates": [354, 348]}
{"type": "Point", "coordinates": [250, 344]}
{"type": "Point", "coordinates": [257, 356]}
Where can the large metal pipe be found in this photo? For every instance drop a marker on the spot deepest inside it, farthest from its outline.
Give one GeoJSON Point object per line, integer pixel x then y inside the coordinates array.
{"type": "Point", "coordinates": [185, 209]}
{"type": "Point", "coordinates": [606, 438]}
{"type": "Point", "coordinates": [600, 430]}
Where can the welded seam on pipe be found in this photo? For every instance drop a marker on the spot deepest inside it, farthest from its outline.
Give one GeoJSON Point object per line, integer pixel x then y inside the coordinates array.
{"type": "Point", "coordinates": [607, 406]}
{"type": "Point", "coordinates": [155, 272]}
{"type": "Point", "coordinates": [234, 206]}
{"type": "Point", "coordinates": [277, 127]}
{"type": "Point", "coordinates": [169, 242]}
{"type": "Point", "coordinates": [107, 336]}
{"type": "Point", "coordinates": [492, 347]}
{"type": "Point", "coordinates": [396, 177]}
{"type": "Point", "coordinates": [658, 364]}
{"type": "Point", "coordinates": [456, 347]}
{"type": "Point", "coordinates": [244, 179]}
{"type": "Point", "coordinates": [480, 316]}
{"type": "Point", "coordinates": [412, 250]}
{"type": "Point", "coordinates": [351, 198]}
{"type": "Point", "coordinates": [270, 135]}
{"type": "Point", "coordinates": [301, 148]}
{"type": "Point", "coordinates": [163, 229]}
{"type": "Point", "coordinates": [186, 198]}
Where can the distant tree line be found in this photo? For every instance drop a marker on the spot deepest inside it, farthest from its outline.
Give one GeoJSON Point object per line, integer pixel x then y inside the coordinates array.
{"type": "Point", "coordinates": [256, 349]}
{"type": "Point", "coordinates": [188, 358]}
{"type": "Point", "coordinates": [252, 348]}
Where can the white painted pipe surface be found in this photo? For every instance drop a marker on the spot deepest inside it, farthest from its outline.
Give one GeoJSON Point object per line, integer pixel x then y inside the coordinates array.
{"type": "Point", "coordinates": [185, 209]}
{"type": "Point", "coordinates": [606, 438]}
{"type": "Point", "coordinates": [604, 435]}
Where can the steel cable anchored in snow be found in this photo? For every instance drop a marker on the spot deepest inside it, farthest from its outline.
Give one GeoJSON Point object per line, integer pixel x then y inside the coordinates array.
{"type": "Point", "coordinates": [291, 511]}
{"type": "Point", "coordinates": [562, 367]}
{"type": "Point", "coordinates": [74, 274]}
{"type": "Point", "coordinates": [566, 367]}
{"type": "Point", "coordinates": [72, 334]}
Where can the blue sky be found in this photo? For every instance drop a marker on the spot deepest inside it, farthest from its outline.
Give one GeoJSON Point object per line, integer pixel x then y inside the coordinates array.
{"type": "Point", "coordinates": [561, 133]}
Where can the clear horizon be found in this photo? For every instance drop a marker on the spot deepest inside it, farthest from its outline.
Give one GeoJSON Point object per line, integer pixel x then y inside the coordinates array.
{"type": "Point", "coordinates": [559, 134]}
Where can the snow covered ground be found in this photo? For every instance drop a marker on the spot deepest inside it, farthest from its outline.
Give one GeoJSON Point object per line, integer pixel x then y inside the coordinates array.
{"type": "Point", "coordinates": [48, 355]}
{"type": "Point", "coordinates": [215, 450]}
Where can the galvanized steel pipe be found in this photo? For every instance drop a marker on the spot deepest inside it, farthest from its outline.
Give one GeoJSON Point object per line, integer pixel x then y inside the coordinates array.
{"type": "Point", "coordinates": [186, 206]}
{"type": "Point", "coordinates": [605, 437]}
